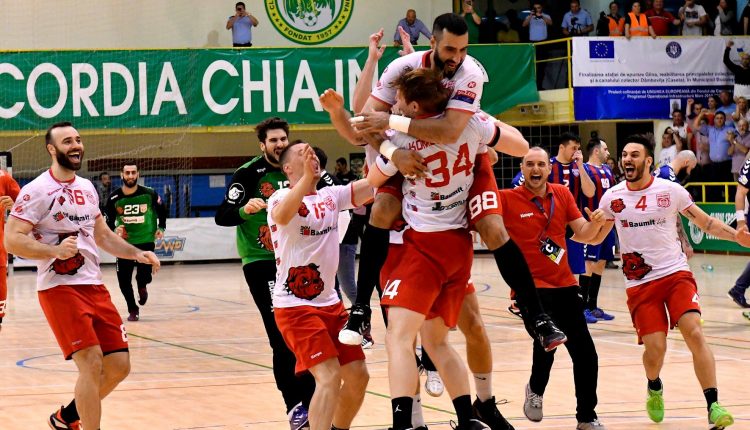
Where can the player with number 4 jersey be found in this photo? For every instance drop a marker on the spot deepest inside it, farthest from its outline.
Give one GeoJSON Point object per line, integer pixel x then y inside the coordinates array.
{"type": "Point", "coordinates": [661, 290]}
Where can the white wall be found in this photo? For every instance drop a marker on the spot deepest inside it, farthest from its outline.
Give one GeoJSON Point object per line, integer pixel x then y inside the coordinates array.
{"type": "Point", "coordinates": [78, 24]}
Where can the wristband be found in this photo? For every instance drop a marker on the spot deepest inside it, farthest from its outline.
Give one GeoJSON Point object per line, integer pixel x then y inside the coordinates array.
{"type": "Point", "coordinates": [740, 215]}
{"type": "Point", "coordinates": [399, 123]}
{"type": "Point", "coordinates": [387, 148]}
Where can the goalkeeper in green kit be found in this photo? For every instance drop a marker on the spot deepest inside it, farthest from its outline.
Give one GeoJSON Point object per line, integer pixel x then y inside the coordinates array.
{"type": "Point", "coordinates": [137, 214]}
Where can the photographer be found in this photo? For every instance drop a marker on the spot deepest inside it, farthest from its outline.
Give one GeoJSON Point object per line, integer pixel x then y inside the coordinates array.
{"type": "Point", "coordinates": [577, 22]}
{"type": "Point", "coordinates": [537, 23]}
{"type": "Point", "coordinates": [241, 24]}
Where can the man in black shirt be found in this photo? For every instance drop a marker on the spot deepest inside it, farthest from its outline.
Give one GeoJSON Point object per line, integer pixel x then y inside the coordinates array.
{"type": "Point", "coordinates": [741, 71]}
{"type": "Point", "coordinates": [343, 173]}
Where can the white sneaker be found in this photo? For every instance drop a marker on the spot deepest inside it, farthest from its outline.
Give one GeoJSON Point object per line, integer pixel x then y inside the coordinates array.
{"type": "Point", "coordinates": [593, 425]}
{"type": "Point", "coordinates": [434, 384]}
{"type": "Point", "coordinates": [532, 405]}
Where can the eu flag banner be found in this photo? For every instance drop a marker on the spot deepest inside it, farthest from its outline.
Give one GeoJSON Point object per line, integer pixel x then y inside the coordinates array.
{"type": "Point", "coordinates": [644, 78]}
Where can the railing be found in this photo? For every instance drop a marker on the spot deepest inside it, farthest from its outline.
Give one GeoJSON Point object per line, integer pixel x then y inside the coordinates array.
{"type": "Point", "coordinates": [703, 186]}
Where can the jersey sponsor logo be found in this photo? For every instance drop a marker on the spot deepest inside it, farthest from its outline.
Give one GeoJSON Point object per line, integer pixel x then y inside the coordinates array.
{"type": "Point", "coordinates": [236, 193]}
{"type": "Point", "coordinates": [527, 215]}
{"type": "Point", "coordinates": [264, 238]}
{"type": "Point", "coordinates": [465, 96]}
{"type": "Point", "coordinates": [303, 211]}
{"type": "Point", "coordinates": [18, 209]}
{"type": "Point", "coordinates": [438, 196]}
{"type": "Point", "coordinates": [139, 219]}
{"type": "Point", "coordinates": [168, 246]}
{"type": "Point", "coordinates": [439, 205]}
{"type": "Point", "coordinates": [26, 197]}
{"type": "Point", "coordinates": [266, 189]}
{"type": "Point", "coordinates": [307, 231]}
{"type": "Point", "coordinates": [663, 200]}
{"type": "Point", "coordinates": [471, 84]}
{"type": "Point", "coordinates": [634, 266]}
{"type": "Point", "coordinates": [617, 206]}
{"type": "Point", "coordinates": [305, 281]}
{"type": "Point", "coordinates": [652, 222]}
{"type": "Point", "coordinates": [70, 265]}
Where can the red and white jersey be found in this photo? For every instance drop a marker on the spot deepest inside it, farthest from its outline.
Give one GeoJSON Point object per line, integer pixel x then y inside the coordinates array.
{"type": "Point", "coordinates": [646, 222]}
{"type": "Point", "coordinates": [57, 210]}
{"type": "Point", "coordinates": [466, 83]}
{"type": "Point", "coordinates": [438, 201]}
{"type": "Point", "coordinates": [307, 248]}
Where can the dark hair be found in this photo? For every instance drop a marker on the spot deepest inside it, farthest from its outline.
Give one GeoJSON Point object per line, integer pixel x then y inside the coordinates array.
{"type": "Point", "coordinates": [578, 2]}
{"type": "Point", "coordinates": [129, 163]}
{"type": "Point", "coordinates": [285, 153]}
{"type": "Point", "coordinates": [322, 157]}
{"type": "Point", "coordinates": [593, 143]}
{"type": "Point", "coordinates": [537, 2]}
{"type": "Point", "coordinates": [48, 135]}
{"type": "Point", "coordinates": [239, 3]}
{"type": "Point", "coordinates": [676, 111]}
{"type": "Point", "coordinates": [425, 87]}
{"type": "Point", "coordinates": [641, 140]}
{"type": "Point", "coordinates": [455, 24]}
{"type": "Point", "coordinates": [718, 112]}
{"type": "Point", "coordinates": [567, 137]}
{"type": "Point", "coordinates": [102, 174]}
{"type": "Point", "coordinates": [613, 2]}
{"type": "Point", "coordinates": [273, 123]}
{"type": "Point", "coordinates": [341, 160]}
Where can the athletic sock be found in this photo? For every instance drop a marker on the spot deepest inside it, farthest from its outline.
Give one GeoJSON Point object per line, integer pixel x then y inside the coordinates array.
{"type": "Point", "coordinates": [584, 282]}
{"type": "Point", "coordinates": [402, 410]}
{"type": "Point", "coordinates": [515, 271]}
{"type": "Point", "coordinates": [483, 384]}
{"type": "Point", "coordinates": [462, 404]}
{"type": "Point", "coordinates": [655, 385]}
{"type": "Point", "coordinates": [595, 283]}
{"type": "Point", "coordinates": [372, 257]}
{"type": "Point", "coordinates": [69, 413]}
{"type": "Point", "coordinates": [712, 396]}
{"type": "Point", "coordinates": [427, 361]}
{"type": "Point", "coordinates": [417, 420]}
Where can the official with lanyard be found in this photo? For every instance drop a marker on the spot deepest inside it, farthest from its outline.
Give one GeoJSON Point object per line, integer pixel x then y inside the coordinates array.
{"type": "Point", "coordinates": [536, 216]}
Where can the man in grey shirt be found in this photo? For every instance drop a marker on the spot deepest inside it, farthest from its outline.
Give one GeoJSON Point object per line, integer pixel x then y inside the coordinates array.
{"type": "Point", "coordinates": [241, 24]}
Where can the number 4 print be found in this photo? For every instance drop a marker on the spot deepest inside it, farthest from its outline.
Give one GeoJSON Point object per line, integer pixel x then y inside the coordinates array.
{"type": "Point", "coordinates": [391, 288]}
{"type": "Point", "coordinates": [642, 204]}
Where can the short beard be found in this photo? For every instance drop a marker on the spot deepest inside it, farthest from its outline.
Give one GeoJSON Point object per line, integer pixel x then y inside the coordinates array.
{"type": "Point", "coordinates": [130, 183]}
{"type": "Point", "coordinates": [64, 161]}
{"type": "Point", "coordinates": [271, 157]}
{"type": "Point", "coordinates": [440, 65]}
{"type": "Point", "coordinates": [638, 174]}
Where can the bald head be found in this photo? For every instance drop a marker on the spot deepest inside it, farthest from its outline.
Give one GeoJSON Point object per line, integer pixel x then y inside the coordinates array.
{"type": "Point", "coordinates": [685, 160]}
{"type": "Point", "coordinates": [535, 152]}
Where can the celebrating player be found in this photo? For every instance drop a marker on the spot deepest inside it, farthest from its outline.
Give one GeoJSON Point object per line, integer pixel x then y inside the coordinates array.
{"type": "Point", "coordinates": [8, 193]}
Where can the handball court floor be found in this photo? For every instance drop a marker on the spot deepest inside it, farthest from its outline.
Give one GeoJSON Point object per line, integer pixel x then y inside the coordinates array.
{"type": "Point", "coordinates": [200, 359]}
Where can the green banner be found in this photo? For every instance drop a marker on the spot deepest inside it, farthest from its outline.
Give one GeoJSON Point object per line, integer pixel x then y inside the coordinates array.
{"type": "Point", "coordinates": [702, 241]}
{"type": "Point", "coordinates": [211, 87]}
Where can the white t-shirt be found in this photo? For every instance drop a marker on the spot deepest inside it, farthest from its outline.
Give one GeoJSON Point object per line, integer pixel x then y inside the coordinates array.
{"type": "Point", "coordinates": [692, 14]}
{"type": "Point", "coordinates": [438, 202]}
{"type": "Point", "coordinates": [57, 210]}
{"type": "Point", "coordinates": [666, 155]}
{"type": "Point", "coordinates": [307, 248]}
{"type": "Point", "coordinates": [646, 222]}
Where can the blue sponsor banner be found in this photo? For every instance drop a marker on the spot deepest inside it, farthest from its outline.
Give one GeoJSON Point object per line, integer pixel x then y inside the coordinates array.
{"type": "Point", "coordinates": [647, 79]}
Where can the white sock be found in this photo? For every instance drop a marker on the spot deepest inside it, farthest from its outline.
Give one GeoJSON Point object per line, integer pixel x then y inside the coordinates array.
{"type": "Point", "coordinates": [417, 420]}
{"type": "Point", "coordinates": [483, 383]}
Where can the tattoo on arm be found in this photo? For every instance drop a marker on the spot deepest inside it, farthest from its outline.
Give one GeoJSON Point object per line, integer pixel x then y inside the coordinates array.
{"type": "Point", "coordinates": [689, 213]}
{"type": "Point", "coordinates": [709, 224]}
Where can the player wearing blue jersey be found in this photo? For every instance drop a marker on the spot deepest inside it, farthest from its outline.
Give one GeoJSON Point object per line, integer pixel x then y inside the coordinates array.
{"type": "Point", "coordinates": [737, 293]}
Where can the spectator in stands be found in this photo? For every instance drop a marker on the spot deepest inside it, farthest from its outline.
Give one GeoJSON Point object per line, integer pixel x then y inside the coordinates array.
{"type": "Point", "coordinates": [637, 24]}
{"type": "Point", "coordinates": [612, 25]}
{"type": "Point", "coordinates": [740, 145]}
{"type": "Point", "coordinates": [671, 144]}
{"type": "Point", "coordinates": [742, 110]}
{"type": "Point", "coordinates": [343, 173]}
{"type": "Point", "coordinates": [713, 103]}
{"type": "Point", "coordinates": [745, 20]}
{"type": "Point", "coordinates": [577, 22]}
{"type": "Point", "coordinates": [693, 109]}
{"type": "Point", "coordinates": [505, 34]}
{"type": "Point", "coordinates": [412, 25]}
{"type": "Point", "coordinates": [103, 188]}
{"type": "Point", "coordinates": [537, 22]}
{"type": "Point", "coordinates": [724, 19]}
{"type": "Point", "coordinates": [701, 144]}
{"type": "Point", "coordinates": [693, 18]}
{"type": "Point", "coordinates": [720, 168]}
{"type": "Point", "coordinates": [490, 25]}
{"type": "Point", "coordinates": [741, 71]}
{"type": "Point", "coordinates": [473, 20]}
{"type": "Point", "coordinates": [326, 179]}
{"type": "Point", "coordinates": [661, 19]}
{"type": "Point", "coordinates": [727, 106]}
{"type": "Point", "coordinates": [616, 171]}
{"type": "Point", "coordinates": [241, 24]}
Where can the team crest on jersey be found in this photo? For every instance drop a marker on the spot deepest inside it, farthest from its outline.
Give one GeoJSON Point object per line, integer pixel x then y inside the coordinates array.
{"type": "Point", "coordinates": [305, 281]}
{"type": "Point", "coordinates": [617, 205]}
{"type": "Point", "coordinates": [329, 203]}
{"type": "Point", "coordinates": [59, 216]}
{"type": "Point", "coordinates": [663, 200]}
{"type": "Point", "coordinates": [120, 210]}
{"type": "Point", "coordinates": [266, 189]}
{"type": "Point", "coordinates": [264, 238]}
{"type": "Point", "coordinates": [26, 197]}
{"type": "Point", "coordinates": [303, 211]}
{"type": "Point", "coordinates": [89, 195]}
{"type": "Point", "coordinates": [634, 266]}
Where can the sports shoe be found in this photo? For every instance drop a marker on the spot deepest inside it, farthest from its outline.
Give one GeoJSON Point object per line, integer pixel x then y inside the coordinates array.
{"type": "Point", "coordinates": [488, 413]}
{"type": "Point", "coordinates": [599, 314]}
{"type": "Point", "coordinates": [359, 321]}
{"type": "Point", "coordinates": [367, 341]}
{"type": "Point", "coordinates": [591, 425]}
{"type": "Point", "coordinates": [548, 334]}
{"type": "Point", "coordinates": [532, 406]}
{"type": "Point", "coordinates": [142, 295]}
{"type": "Point", "coordinates": [434, 384]}
{"type": "Point", "coordinates": [738, 297]}
{"type": "Point", "coordinates": [134, 316]}
{"type": "Point", "coordinates": [719, 417]}
{"type": "Point", "coordinates": [655, 405]}
{"type": "Point", "coordinates": [57, 423]}
{"type": "Point", "coordinates": [298, 417]}
{"type": "Point", "coordinates": [746, 315]}
{"type": "Point", "coordinates": [513, 308]}
{"type": "Point", "coordinates": [612, 265]}
{"type": "Point", "coordinates": [590, 318]}
{"type": "Point", "coordinates": [473, 425]}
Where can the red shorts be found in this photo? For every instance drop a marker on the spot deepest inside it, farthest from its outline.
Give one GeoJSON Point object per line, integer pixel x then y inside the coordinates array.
{"type": "Point", "coordinates": [646, 302]}
{"type": "Point", "coordinates": [484, 197]}
{"type": "Point", "coordinates": [312, 333]}
{"type": "Point", "coordinates": [82, 316]}
{"type": "Point", "coordinates": [429, 273]}
{"type": "Point", "coordinates": [393, 186]}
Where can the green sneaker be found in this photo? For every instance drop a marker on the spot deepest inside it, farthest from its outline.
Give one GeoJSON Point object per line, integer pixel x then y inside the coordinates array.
{"type": "Point", "coordinates": [719, 417]}
{"type": "Point", "coordinates": [655, 405]}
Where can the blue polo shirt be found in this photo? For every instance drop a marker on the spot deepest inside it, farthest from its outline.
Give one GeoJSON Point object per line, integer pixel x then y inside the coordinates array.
{"type": "Point", "coordinates": [242, 30]}
{"type": "Point", "coordinates": [717, 142]}
{"type": "Point", "coordinates": [414, 31]}
{"type": "Point", "coordinates": [538, 28]}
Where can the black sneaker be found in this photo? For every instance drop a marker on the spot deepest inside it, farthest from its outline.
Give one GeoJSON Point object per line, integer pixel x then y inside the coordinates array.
{"type": "Point", "coordinates": [142, 296]}
{"type": "Point", "coordinates": [548, 334]}
{"type": "Point", "coordinates": [359, 321]}
{"type": "Point", "coordinates": [738, 297]}
{"type": "Point", "coordinates": [488, 413]}
{"type": "Point", "coordinates": [473, 425]}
